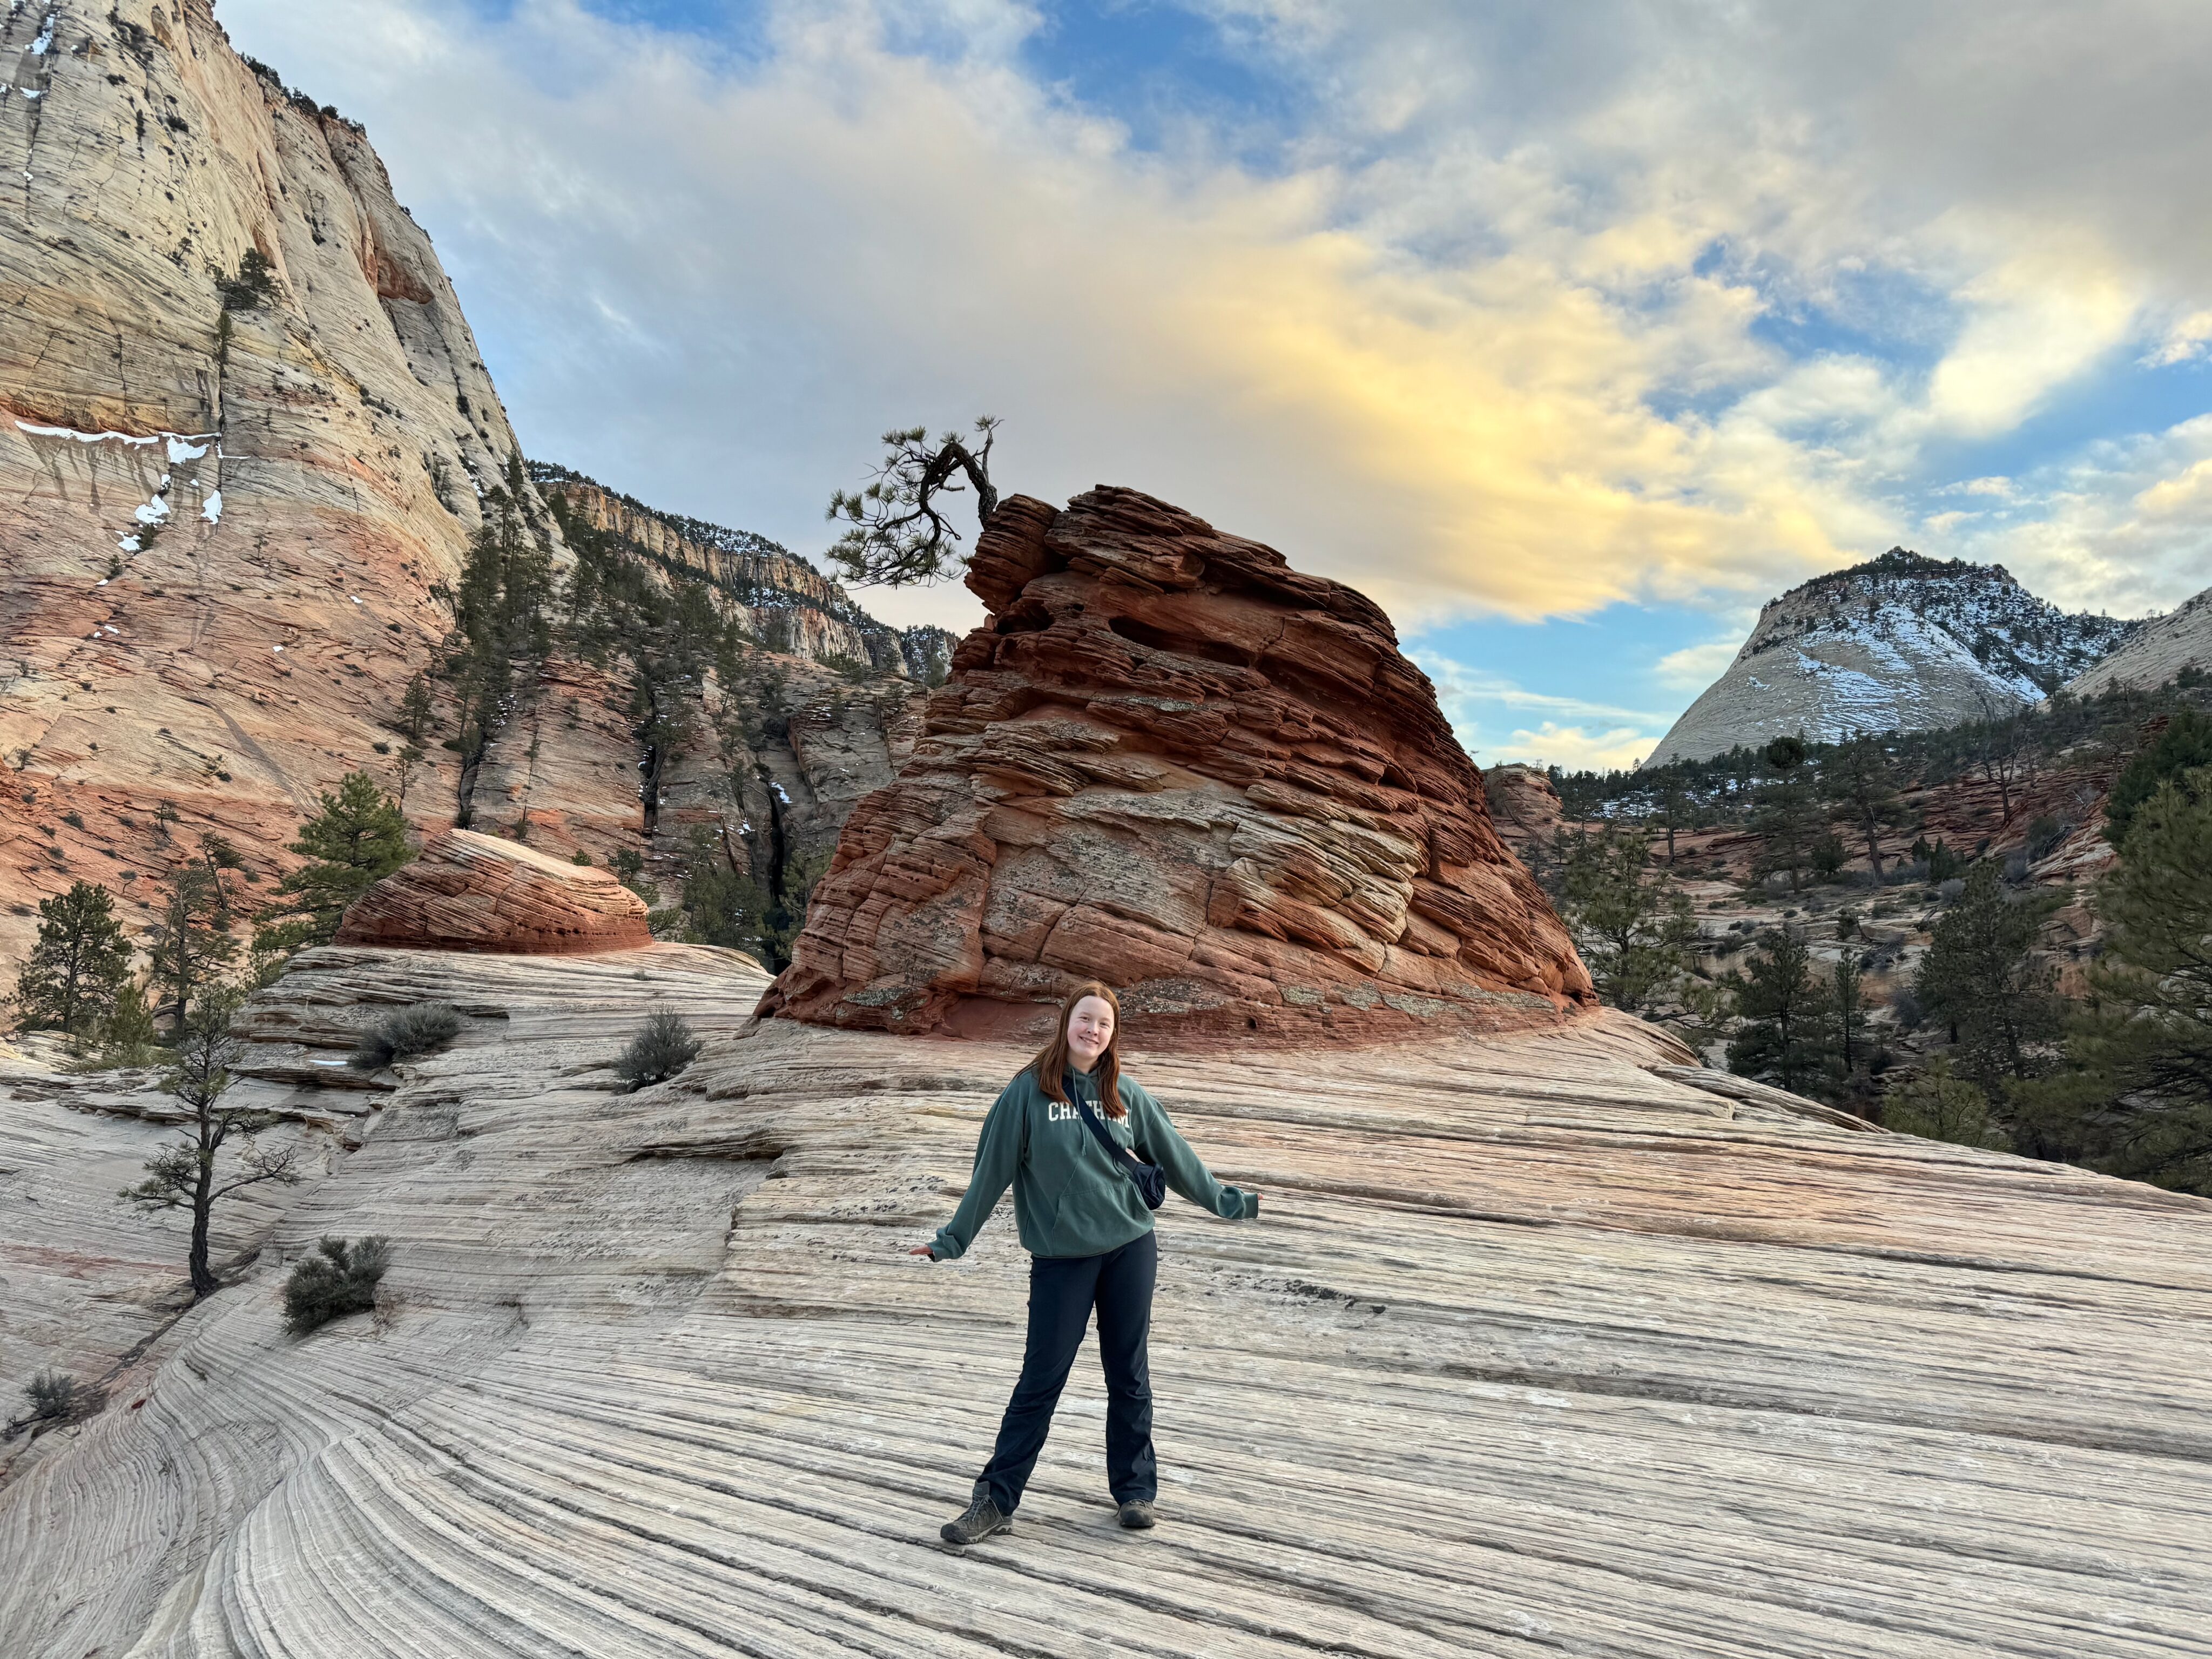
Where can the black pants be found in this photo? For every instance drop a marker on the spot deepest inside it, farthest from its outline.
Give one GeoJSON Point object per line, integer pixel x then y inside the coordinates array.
{"type": "Point", "coordinates": [1062, 1292]}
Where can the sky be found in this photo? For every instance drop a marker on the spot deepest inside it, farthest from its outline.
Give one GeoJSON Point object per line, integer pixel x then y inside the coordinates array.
{"type": "Point", "coordinates": [1571, 333]}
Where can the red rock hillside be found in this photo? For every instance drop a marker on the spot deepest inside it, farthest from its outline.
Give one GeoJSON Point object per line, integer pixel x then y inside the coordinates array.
{"type": "Point", "coordinates": [1172, 762]}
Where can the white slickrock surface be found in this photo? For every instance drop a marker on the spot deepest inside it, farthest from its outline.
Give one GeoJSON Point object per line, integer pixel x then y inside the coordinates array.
{"type": "Point", "coordinates": [1532, 1353]}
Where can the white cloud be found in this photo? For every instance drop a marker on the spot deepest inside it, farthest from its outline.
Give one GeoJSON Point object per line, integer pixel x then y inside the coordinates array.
{"type": "Point", "coordinates": [2126, 528]}
{"type": "Point", "coordinates": [1575, 748]}
{"type": "Point", "coordinates": [1459, 687]}
{"type": "Point", "coordinates": [2035, 323]}
{"type": "Point", "coordinates": [1694, 667]}
{"type": "Point", "coordinates": [1579, 731]}
{"type": "Point", "coordinates": [2188, 338]}
{"type": "Point", "coordinates": [1484, 336]}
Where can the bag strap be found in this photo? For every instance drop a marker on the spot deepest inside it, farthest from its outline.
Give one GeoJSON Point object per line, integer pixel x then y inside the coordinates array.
{"type": "Point", "coordinates": [1121, 1154]}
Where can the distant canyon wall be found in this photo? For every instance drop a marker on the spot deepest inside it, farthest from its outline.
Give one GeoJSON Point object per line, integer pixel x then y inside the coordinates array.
{"type": "Point", "coordinates": [794, 608]}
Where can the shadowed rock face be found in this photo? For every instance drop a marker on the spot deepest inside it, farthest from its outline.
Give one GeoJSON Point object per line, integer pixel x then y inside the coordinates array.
{"type": "Point", "coordinates": [472, 892]}
{"type": "Point", "coordinates": [1172, 762]}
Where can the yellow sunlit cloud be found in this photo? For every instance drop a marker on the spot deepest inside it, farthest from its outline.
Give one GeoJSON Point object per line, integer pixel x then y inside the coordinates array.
{"type": "Point", "coordinates": [736, 271]}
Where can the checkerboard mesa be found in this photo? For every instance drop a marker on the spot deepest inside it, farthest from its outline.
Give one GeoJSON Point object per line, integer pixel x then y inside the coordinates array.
{"type": "Point", "coordinates": [1170, 761]}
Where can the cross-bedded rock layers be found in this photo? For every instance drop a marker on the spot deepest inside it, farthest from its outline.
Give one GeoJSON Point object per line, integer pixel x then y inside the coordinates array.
{"type": "Point", "coordinates": [1172, 762]}
{"type": "Point", "coordinates": [472, 892]}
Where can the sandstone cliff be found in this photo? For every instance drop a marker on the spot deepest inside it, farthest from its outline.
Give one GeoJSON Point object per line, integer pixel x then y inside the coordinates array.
{"type": "Point", "coordinates": [249, 450]}
{"type": "Point", "coordinates": [2160, 649]}
{"type": "Point", "coordinates": [1171, 761]}
{"type": "Point", "coordinates": [223, 526]}
{"type": "Point", "coordinates": [794, 609]}
{"type": "Point", "coordinates": [1900, 643]}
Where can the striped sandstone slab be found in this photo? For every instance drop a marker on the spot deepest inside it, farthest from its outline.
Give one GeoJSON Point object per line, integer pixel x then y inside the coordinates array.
{"type": "Point", "coordinates": [1533, 1352]}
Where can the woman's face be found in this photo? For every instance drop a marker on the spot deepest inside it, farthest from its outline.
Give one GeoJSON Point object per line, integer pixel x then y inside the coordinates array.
{"type": "Point", "coordinates": [1090, 1028]}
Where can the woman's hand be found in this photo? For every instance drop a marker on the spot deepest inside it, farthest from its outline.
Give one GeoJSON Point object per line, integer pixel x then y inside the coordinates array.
{"type": "Point", "coordinates": [922, 1249]}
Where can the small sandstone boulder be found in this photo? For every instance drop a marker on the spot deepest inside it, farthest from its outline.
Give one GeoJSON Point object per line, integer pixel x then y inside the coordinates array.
{"type": "Point", "coordinates": [472, 892]}
{"type": "Point", "coordinates": [1172, 762]}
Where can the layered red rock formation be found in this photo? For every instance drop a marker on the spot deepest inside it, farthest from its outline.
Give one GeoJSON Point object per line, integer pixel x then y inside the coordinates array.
{"type": "Point", "coordinates": [1173, 762]}
{"type": "Point", "coordinates": [472, 892]}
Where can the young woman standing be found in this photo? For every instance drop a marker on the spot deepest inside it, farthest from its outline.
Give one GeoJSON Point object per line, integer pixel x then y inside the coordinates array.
{"type": "Point", "coordinates": [1085, 1217]}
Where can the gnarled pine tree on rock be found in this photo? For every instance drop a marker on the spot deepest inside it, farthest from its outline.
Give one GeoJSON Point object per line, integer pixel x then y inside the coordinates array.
{"type": "Point", "coordinates": [898, 531]}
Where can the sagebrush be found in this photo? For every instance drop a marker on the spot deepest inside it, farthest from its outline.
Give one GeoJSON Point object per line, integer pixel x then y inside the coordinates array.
{"type": "Point", "coordinates": [341, 1280]}
{"type": "Point", "coordinates": [403, 1034]}
{"type": "Point", "coordinates": [56, 1397]}
{"type": "Point", "coordinates": [663, 1047]}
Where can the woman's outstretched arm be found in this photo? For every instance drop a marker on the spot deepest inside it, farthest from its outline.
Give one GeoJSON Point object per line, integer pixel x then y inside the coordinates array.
{"type": "Point", "coordinates": [998, 1155]}
{"type": "Point", "coordinates": [1157, 1139]}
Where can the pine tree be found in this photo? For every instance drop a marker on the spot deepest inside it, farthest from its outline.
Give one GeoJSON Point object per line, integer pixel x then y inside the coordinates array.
{"type": "Point", "coordinates": [1847, 1014]}
{"type": "Point", "coordinates": [1634, 933]}
{"type": "Point", "coordinates": [722, 906]}
{"type": "Point", "coordinates": [1678, 809]}
{"type": "Point", "coordinates": [192, 941]}
{"type": "Point", "coordinates": [1780, 1003]}
{"type": "Point", "coordinates": [187, 1173]}
{"type": "Point", "coordinates": [416, 711]}
{"type": "Point", "coordinates": [69, 979]}
{"type": "Point", "coordinates": [1939, 1105]}
{"type": "Point", "coordinates": [218, 855]}
{"type": "Point", "coordinates": [1860, 785]}
{"type": "Point", "coordinates": [356, 840]}
{"type": "Point", "coordinates": [1847, 1052]}
{"type": "Point", "coordinates": [127, 1037]}
{"type": "Point", "coordinates": [1788, 819]}
{"type": "Point", "coordinates": [2182, 745]}
{"type": "Point", "coordinates": [898, 531]}
{"type": "Point", "coordinates": [2138, 1088]}
{"type": "Point", "coordinates": [501, 616]}
{"type": "Point", "coordinates": [1983, 978]}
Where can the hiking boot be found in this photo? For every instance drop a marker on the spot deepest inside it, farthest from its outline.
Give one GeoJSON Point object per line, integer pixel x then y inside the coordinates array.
{"type": "Point", "coordinates": [1136, 1515]}
{"type": "Point", "coordinates": [984, 1517]}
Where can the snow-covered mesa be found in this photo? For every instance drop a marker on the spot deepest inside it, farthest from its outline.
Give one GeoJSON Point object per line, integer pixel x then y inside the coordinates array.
{"type": "Point", "coordinates": [1901, 643]}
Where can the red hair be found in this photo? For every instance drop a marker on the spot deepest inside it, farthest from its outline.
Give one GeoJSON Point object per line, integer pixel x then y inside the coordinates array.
{"type": "Point", "coordinates": [1052, 1058]}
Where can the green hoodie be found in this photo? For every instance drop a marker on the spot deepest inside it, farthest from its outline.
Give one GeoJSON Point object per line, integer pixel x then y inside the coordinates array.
{"type": "Point", "coordinates": [1070, 1199]}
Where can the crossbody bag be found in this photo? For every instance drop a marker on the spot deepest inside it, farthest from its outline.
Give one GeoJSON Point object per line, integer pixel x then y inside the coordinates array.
{"type": "Point", "coordinates": [1151, 1181]}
